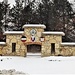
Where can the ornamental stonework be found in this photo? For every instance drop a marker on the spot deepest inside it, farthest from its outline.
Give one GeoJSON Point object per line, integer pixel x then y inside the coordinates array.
{"type": "Point", "coordinates": [35, 39]}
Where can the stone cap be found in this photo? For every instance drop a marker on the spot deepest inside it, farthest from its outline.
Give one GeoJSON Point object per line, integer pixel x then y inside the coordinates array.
{"type": "Point", "coordinates": [13, 32]}
{"type": "Point", "coordinates": [54, 33]}
{"type": "Point", "coordinates": [68, 43]}
{"type": "Point", "coordinates": [2, 43]}
{"type": "Point", "coordinates": [34, 25]}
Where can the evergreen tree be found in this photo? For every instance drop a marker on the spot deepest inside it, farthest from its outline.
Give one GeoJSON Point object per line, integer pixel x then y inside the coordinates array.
{"type": "Point", "coordinates": [55, 13]}
{"type": "Point", "coordinates": [16, 13]}
{"type": "Point", "coordinates": [47, 14]}
{"type": "Point", "coordinates": [6, 18]}
{"type": "Point", "coordinates": [3, 10]}
{"type": "Point", "coordinates": [64, 10]}
{"type": "Point", "coordinates": [65, 15]}
{"type": "Point", "coordinates": [28, 13]}
{"type": "Point", "coordinates": [1, 15]}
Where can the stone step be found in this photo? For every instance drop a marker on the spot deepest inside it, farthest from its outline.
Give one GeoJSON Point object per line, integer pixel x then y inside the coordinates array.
{"type": "Point", "coordinates": [33, 54]}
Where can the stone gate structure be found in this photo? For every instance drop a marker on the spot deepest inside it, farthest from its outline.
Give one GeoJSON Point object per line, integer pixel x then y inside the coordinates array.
{"type": "Point", "coordinates": [34, 40]}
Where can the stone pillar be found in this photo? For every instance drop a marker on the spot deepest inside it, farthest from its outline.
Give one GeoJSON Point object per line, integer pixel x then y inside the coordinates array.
{"type": "Point", "coordinates": [51, 37]}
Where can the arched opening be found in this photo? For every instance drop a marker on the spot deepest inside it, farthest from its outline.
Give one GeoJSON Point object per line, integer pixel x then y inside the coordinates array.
{"type": "Point", "coordinates": [33, 48]}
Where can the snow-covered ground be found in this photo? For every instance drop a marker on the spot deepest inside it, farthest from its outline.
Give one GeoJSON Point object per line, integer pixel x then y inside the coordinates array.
{"type": "Point", "coordinates": [36, 65]}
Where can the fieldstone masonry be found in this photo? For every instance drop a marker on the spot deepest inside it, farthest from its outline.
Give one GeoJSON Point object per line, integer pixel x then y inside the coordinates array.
{"type": "Point", "coordinates": [46, 45]}
{"type": "Point", "coordinates": [33, 34]}
{"type": "Point", "coordinates": [68, 49]}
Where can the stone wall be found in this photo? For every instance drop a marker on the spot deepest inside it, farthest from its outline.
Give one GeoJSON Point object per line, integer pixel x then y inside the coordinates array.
{"type": "Point", "coordinates": [50, 37]}
{"type": "Point", "coordinates": [20, 47]}
{"type": "Point", "coordinates": [46, 45]}
{"type": "Point", "coordinates": [67, 50]}
{"type": "Point", "coordinates": [1, 48]}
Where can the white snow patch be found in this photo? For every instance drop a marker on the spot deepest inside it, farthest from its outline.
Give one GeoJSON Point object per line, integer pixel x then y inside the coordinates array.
{"type": "Point", "coordinates": [34, 25]}
{"type": "Point", "coordinates": [39, 66]}
{"type": "Point", "coordinates": [36, 54]}
{"type": "Point", "coordinates": [10, 24]}
{"type": "Point", "coordinates": [68, 43]}
{"type": "Point", "coordinates": [2, 43]}
{"type": "Point", "coordinates": [55, 33]}
{"type": "Point", "coordinates": [13, 32]}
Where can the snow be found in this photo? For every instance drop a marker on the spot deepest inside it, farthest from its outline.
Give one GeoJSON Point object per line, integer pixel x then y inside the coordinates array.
{"type": "Point", "coordinates": [36, 54]}
{"type": "Point", "coordinates": [2, 43]}
{"type": "Point", "coordinates": [10, 24]}
{"type": "Point", "coordinates": [39, 65]}
{"type": "Point", "coordinates": [55, 33]}
{"type": "Point", "coordinates": [68, 43]}
{"type": "Point", "coordinates": [34, 25]}
{"type": "Point", "coordinates": [13, 32]}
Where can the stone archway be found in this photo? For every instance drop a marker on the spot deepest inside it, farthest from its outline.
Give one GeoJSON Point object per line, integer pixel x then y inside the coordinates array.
{"type": "Point", "coordinates": [33, 48]}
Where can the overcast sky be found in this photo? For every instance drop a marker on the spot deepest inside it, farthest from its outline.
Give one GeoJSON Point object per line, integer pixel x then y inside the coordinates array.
{"type": "Point", "coordinates": [12, 2]}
